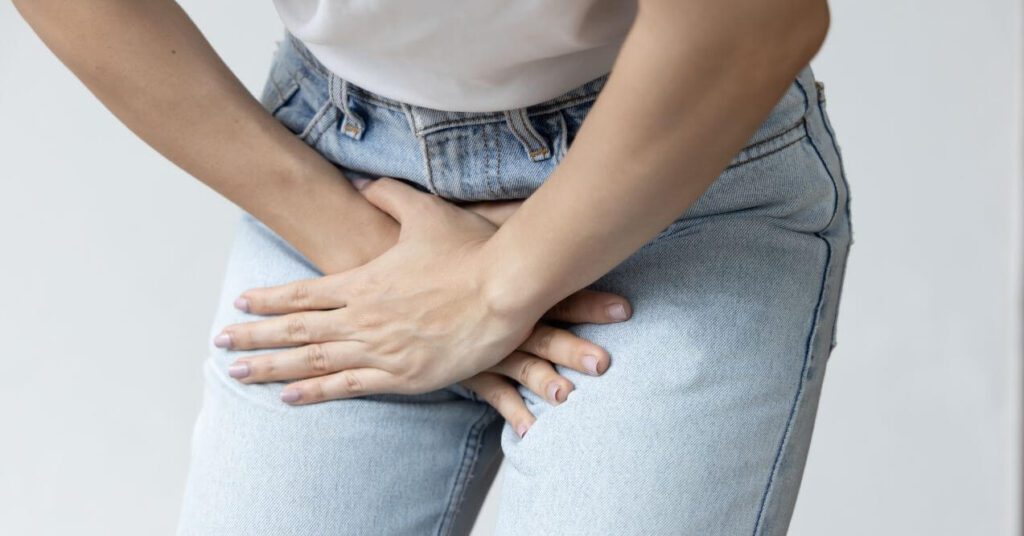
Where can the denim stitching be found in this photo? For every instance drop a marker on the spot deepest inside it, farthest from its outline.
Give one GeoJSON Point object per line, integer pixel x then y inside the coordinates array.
{"type": "Point", "coordinates": [815, 323]}
{"type": "Point", "coordinates": [846, 208]}
{"type": "Point", "coordinates": [492, 155]}
{"type": "Point", "coordinates": [768, 147]}
{"type": "Point", "coordinates": [498, 117]}
{"type": "Point", "coordinates": [842, 165]}
{"type": "Point", "coordinates": [428, 165]}
{"type": "Point", "coordinates": [313, 131]}
{"type": "Point", "coordinates": [470, 455]}
{"type": "Point", "coordinates": [824, 163]}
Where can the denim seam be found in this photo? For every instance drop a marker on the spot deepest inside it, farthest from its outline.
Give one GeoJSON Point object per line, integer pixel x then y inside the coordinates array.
{"type": "Point", "coordinates": [498, 117]}
{"type": "Point", "coordinates": [309, 134]}
{"type": "Point", "coordinates": [794, 407]}
{"type": "Point", "coordinates": [771, 145]}
{"type": "Point", "coordinates": [824, 163]}
{"type": "Point", "coordinates": [428, 172]}
{"type": "Point", "coordinates": [540, 108]}
{"type": "Point", "coordinates": [835, 146]}
{"type": "Point", "coordinates": [492, 155]}
{"type": "Point", "coordinates": [816, 320]}
{"type": "Point", "coordinates": [846, 208]}
{"type": "Point", "coordinates": [470, 455]}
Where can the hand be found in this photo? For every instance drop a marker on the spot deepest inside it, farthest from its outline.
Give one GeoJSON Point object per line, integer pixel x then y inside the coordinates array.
{"type": "Point", "coordinates": [531, 365]}
{"type": "Point", "coordinates": [383, 324]}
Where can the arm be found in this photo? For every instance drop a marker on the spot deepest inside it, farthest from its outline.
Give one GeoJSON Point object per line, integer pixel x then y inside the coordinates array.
{"type": "Point", "coordinates": [147, 62]}
{"type": "Point", "coordinates": [696, 78]}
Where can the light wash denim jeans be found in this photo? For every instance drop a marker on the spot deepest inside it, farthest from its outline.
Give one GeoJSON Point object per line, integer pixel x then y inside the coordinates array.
{"type": "Point", "coordinates": [702, 423]}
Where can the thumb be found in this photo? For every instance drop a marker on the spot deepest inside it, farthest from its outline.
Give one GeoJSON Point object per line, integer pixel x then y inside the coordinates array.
{"type": "Point", "coordinates": [398, 199]}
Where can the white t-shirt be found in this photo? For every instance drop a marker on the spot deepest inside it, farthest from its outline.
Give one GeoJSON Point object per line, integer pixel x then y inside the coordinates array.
{"type": "Point", "coordinates": [462, 55]}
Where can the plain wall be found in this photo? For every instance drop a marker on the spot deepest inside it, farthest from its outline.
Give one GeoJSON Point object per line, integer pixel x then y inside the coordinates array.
{"type": "Point", "coordinates": [112, 259]}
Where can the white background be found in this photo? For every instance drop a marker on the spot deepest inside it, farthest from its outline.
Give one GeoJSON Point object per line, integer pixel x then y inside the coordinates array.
{"type": "Point", "coordinates": [112, 259]}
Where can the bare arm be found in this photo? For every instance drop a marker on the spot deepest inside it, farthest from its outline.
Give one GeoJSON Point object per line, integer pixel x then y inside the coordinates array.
{"type": "Point", "coordinates": [149, 64]}
{"type": "Point", "coordinates": [696, 78]}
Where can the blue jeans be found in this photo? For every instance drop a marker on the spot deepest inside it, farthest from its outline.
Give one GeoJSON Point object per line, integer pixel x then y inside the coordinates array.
{"type": "Point", "coordinates": [700, 426]}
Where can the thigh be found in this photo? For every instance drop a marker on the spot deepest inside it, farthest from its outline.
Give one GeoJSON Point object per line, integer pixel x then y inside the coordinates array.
{"type": "Point", "coordinates": [374, 465]}
{"type": "Point", "coordinates": [701, 424]}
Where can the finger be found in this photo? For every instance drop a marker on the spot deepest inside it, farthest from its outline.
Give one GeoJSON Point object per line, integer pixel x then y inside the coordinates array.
{"type": "Point", "coordinates": [496, 212]}
{"type": "Point", "coordinates": [347, 383]}
{"type": "Point", "coordinates": [288, 330]}
{"type": "Point", "coordinates": [299, 363]}
{"type": "Point", "coordinates": [591, 307]}
{"type": "Point", "coordinates": [308, 294]}
{"type": "Point", "coordinates": [536, 375]}
{"type": "Point", "coordinates": [563, 348]}
{"type": "Point", "coordinates": [396, 198]}
{"type": "Point", "coordinates": [503, 397]}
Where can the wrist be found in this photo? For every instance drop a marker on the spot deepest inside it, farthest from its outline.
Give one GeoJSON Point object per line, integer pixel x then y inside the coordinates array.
{"type": "Point", "coordinates": [375, 235]}
{"type": "Point", "coordinates": [328, 220]}
{"type": "Point", "coordinates": [508, 285]}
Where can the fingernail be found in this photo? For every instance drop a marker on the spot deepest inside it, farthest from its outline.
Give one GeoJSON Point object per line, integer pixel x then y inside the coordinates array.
{"type": "Point", "coordinates": [222, 341]}
{"type": "Point", "coordinates": [617, 311]}
{"type": "Point", "coordinates": [290, 395]}
{"type": "Point", "coordinates": [242, 304]}
{"type": "Point", "coordinates": [360, 183]}
{"type": "Point", "coordinates": [553, 392]}
{"type": "Point", "coordinates": [590, 363]}
{"type": "Point", "coordinates": [521, 429]}
{"type": "Point", "coordinates": [238, 370]}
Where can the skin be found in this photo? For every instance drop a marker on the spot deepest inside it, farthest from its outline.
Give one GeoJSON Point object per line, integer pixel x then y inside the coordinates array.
{"type": "Point", "coordinates": [148, 64]}
{"type": "Point", "coordinates": [720, 64]}
{"type": "Point", "coordinates": [402, 323]}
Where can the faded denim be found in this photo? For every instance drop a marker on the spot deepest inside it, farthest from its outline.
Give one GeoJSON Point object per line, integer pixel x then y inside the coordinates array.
{"type": "Point", "coordinates": [702, 423]}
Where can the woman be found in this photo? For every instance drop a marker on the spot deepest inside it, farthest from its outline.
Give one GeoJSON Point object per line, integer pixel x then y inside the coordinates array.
{"type": "Point", "coordinates": [703, 185]}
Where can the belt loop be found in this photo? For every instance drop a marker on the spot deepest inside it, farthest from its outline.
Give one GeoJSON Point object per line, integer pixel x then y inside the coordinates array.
{"type": "Point", "coordinates": [519, 122]}
{"type": "Point", "coordinates": [351, 124]}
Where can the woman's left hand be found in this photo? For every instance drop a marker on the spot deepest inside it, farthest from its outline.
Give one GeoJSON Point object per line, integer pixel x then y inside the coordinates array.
{"type": "Point", "coordinates": [415, 319]}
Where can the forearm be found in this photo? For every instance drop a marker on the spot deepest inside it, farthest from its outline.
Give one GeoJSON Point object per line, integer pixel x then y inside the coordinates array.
{"type": "Point", "coordinates": [149, 64]}
{"type": "Point", "coordinates": [692, 82]}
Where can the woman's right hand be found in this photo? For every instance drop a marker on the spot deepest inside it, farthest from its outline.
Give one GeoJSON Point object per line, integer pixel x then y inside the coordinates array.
{"type": "Point", "coordinates": [533, 364]}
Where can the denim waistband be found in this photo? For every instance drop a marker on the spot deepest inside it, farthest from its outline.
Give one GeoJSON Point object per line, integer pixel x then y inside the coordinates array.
{"type": "Point", "coordinates": [425, 120]}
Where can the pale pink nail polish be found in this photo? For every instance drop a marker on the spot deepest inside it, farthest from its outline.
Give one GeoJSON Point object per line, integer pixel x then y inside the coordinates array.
{"type": "Point", "coordinates": [222, 341]}
{"type": "Point", "coordinates": [590, 363]}
{"type": "Point", "coordinates": [242, 304]}
{"type": "Point", "coordinates": [360, 183]}
{"type": "Point", "coordinates": [521, 430]}
{"type": "Point", "coordinates": [290, 395]}
{"type": "Point", "coordinates": [239, 370]}
{"type": "Point", "coordinates": [617, 312]}
{"type": "Point", "coordinates": [553, 392]}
